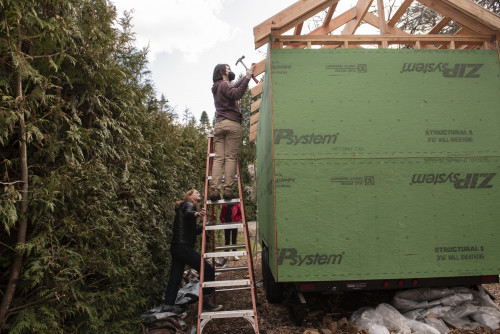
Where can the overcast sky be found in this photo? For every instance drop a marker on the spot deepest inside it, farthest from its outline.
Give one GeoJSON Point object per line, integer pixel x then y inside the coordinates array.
{"type": "Point", "coordinates": [187, 38]}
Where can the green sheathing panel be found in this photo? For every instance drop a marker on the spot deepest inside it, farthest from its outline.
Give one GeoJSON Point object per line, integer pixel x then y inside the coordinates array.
{"type": "Point", "coordinates": [265, 168]}
{"type": "Point", "coordinates": [386, 163]}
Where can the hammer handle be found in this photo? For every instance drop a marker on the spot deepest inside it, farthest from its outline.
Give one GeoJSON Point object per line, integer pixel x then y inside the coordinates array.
{"type": "Point", "coordinates": [242, 63]}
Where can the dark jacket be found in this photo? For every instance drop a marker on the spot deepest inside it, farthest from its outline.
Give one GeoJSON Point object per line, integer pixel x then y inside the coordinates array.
{"type": "Point", "coordinates": [226, 96]}
{"type": "Point", "coordinates": [185, 229]}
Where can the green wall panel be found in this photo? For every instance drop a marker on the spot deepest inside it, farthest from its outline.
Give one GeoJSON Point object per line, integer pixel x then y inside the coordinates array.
{"type": "Point", "coordinates": [370, 216]}
{"type": "Point", "coordinates": [383, 163]}
{"type": "Point", "coordinates": [379, 110]}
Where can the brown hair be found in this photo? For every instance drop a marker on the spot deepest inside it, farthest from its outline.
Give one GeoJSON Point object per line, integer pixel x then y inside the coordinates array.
{"type": "Point", "coordinates": [188, 198]}
{"type": "Point", "coordinates": [217, 72]}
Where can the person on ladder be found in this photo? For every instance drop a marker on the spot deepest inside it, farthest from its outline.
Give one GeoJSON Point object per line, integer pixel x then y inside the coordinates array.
{"type": "Point", "coordinates": [227, 130]}
{"type": "Point", "coordinates": [182, 251]}
{"type": "Point", "coordinates": [231, 213]}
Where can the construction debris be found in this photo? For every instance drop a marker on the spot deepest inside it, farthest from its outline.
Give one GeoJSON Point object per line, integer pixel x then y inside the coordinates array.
{"type": "Point", "coordinates": [429, 310]}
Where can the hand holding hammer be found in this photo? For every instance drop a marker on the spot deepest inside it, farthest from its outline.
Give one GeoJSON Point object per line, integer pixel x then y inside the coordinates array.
{"type": "Point", "coordinates": [249, 70]}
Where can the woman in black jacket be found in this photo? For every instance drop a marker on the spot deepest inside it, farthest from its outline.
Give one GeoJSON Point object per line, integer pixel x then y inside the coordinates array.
{"type": "Point", "coordinates": [182, 251]}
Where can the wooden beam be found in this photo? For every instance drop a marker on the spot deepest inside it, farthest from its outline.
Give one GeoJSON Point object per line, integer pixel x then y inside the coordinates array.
{"type": "Point", "coordinates": [381, 17]}
{"type": "Point", "coordinates": [257, 90]}
{"type": "Point", "coordinates": [361, 9]}
{"type": "Point", "coordinates": [440, 25]}
{"type": "Point", "coordinates": [259, 67]}
{"type": "Point", "coordinates": [298, 29]}
{"type": "Point", "coordinates": [336, 23]}
{"type": "Point", "coordinates": [255, 106]}
{"type": "Point", "coordinates": [401, 10]}
{"type": "Point", "coordinates": [329, 15]}
{"type": "Point", "coordinates": [377, 39]}
{"type": "Point", "coordinates": [461, 32]}
{"type": "Point", "coordinates": [460, 18]}
{"type": "Point", "coordinates": [475, 11]}
{"type": "Point", "coordinates": [252, 136]}
{"type": "Point", "coordinates": [373, 20]}
{"type": "Point", "coordinates": [253, 131]}
{"type": "Point", "coordinates": [288, 18]}
{"type": "Point", "coordinates": [254, 118]}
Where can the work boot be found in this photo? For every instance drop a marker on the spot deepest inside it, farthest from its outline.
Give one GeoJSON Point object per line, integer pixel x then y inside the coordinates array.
{"type": "Point", "coordinates": [228, 194]}
{"type": "Point", "coordinates": [215, 195]}
{"type": "Point", "coordinates": [208, 306]}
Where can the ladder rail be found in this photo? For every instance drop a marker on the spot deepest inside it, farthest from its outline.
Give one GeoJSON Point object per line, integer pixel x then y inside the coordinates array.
{"type": "Point", "coordinates": [248, 249]}
{"type": "Point", "coordinates": [203, 235]}
{"type": "Point", "coordinates": [250, 315]}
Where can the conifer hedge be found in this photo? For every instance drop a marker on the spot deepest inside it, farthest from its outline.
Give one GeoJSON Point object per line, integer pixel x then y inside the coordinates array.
{"type": "Point", "coordinates": [90, 166]}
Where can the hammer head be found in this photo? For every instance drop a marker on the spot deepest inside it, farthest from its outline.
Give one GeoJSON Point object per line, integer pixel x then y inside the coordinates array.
{"type": "Point", "coordinates": [239, 59]}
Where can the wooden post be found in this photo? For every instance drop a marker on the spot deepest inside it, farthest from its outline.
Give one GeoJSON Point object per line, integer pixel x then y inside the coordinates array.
{"type": "Point", "coordinates": [381, 19]}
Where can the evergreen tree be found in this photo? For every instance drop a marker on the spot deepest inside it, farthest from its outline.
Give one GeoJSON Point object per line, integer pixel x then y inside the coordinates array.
{"type": "Point", "coordinates": [187, 116]}
{"type": "Point", "coordinates": [84, 240]}
{"type": "Point", "coordinates": [204, 121]}
{"type": "Point", "coordinates": [204, 118]}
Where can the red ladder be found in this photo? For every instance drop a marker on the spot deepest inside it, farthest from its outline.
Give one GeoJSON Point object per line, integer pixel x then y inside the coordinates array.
{"type": "Point", "coordinates": [228, 285]}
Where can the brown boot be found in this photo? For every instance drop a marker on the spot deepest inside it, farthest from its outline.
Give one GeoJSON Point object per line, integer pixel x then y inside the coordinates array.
{"type": "Point", "coordinates": [228, 194]}
{"type": "Point", "coordinates": [215, 195]}
{"type": "Point", "coordinates": [208, 306]}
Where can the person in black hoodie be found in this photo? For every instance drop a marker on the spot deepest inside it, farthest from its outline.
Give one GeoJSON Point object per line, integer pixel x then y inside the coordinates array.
{"type": "Point", "coordinates": [227, 130]}
{"type": "Point", "coordinates": [182, 251]}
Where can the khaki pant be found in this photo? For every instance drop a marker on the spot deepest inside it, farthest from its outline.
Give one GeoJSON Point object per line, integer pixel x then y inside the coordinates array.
{"type": "Point", "coordinates": [227, 141]}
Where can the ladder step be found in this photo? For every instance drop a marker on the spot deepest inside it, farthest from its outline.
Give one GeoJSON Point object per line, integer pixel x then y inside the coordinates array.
{"type": "Point", "coordinates": [211, 155]}
{"type": "Point", "coordinates": [235, 178]}
{"type": "Point", "coordinates": [224, 254]}
{"type": "Point", "coordinates": [223, 226]}
{"type": "Point", "coordinates": [230, 269]}
{"type": "Point", "coordinates": [223, 201]}
{"type": "Point", "coordinates": [218, 284]}
{"type": "Point", "coordinates": [227, 314]}
{"type": "Point", "coordinates": [234, 289]}
{"type": "Point", "coordinates": [229, 247]}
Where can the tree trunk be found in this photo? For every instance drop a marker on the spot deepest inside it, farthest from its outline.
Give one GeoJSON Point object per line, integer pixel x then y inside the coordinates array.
{"type": "Point", "coordinates": [21, 234]}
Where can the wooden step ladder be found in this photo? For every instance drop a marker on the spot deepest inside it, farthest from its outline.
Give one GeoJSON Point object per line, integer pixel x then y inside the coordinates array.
{"type": "Point", "coordinates": [219, 251]}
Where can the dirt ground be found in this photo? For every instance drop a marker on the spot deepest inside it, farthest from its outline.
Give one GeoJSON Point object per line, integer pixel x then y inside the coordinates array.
{"type": "Point", "coordinates": [275, 318]}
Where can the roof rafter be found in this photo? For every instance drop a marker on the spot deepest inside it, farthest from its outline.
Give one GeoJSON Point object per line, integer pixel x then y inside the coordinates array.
{"type": "Point", "coordinates": [329, 15]}
{"type": "Point", "coordinates": [476, 12]}
{"type": "Point", "coordinates": [401, 10]}
{"type": "Point", "coordinates": [459, 17]}
{"type": "Point", "coordinates": [361, 9]}
{"type": "Point", "coordinates": [336, 23]}
{"type": "Point", "coordinates": [289, 18]}
{"type": "Point", "coordinates": [440, 25]}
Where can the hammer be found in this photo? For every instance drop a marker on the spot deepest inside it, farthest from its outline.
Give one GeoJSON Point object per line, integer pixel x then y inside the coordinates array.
{"type": "Point", "coordinates": [240, 60]}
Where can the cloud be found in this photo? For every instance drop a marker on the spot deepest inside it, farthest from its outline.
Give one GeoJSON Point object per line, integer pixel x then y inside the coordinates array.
{"type": "Point", "coordinates": [188, 26]}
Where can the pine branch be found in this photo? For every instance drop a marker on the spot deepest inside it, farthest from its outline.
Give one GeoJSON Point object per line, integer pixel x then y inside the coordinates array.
{"type": "Point", "coordinates": [7, 246]}
{"type": "Point", "coordinates": [45, 56]}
